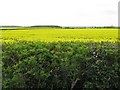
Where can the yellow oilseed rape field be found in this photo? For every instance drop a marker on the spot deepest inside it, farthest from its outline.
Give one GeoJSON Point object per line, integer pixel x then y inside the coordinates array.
{"type": "Point", "coordinates": [59, 34]}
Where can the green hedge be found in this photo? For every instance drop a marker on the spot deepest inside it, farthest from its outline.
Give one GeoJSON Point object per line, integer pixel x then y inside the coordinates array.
{"type": "Point", "coordinates": [61, 65]}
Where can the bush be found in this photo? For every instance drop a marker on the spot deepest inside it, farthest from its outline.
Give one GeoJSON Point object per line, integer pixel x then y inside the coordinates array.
{"type": "Point", "coordinates": [62, 65]}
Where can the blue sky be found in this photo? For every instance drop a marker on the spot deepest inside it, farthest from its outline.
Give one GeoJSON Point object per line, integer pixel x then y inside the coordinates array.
{"type": "Point", "coordinates": [59, 12]}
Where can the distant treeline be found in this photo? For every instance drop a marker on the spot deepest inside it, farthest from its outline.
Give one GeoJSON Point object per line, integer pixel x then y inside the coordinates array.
{"type": "Point", "coordinates": [48, 26]}
{"type": "Point", "coordinates": [90, 27]}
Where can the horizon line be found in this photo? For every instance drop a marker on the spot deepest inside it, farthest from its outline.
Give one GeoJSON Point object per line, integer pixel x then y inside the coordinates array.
{"type": "Point", "coordinates": [52, 26]}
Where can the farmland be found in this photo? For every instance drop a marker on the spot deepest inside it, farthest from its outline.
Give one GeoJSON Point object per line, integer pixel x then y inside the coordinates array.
{"type": "Point", "coordinates": [59, 58]}
{"type": "Point", "coordinates": [56, 34]}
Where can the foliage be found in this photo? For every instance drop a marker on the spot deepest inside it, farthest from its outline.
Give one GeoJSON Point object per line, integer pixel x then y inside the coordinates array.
{"type": "Point", "coordinates": [58, 64]}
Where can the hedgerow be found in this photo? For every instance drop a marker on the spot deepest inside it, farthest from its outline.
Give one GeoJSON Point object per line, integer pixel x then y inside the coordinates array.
{"type": "Point", "coordinates": [60, 65]}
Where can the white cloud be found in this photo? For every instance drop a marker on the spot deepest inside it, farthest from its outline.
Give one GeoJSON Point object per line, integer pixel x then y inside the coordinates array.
{"type": "Point", "coordinates": [59, 12]}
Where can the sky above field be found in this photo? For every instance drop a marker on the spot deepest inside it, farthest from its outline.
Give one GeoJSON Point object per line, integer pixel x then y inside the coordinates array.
{"type": "Point", "coordinates": [59, 12]}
